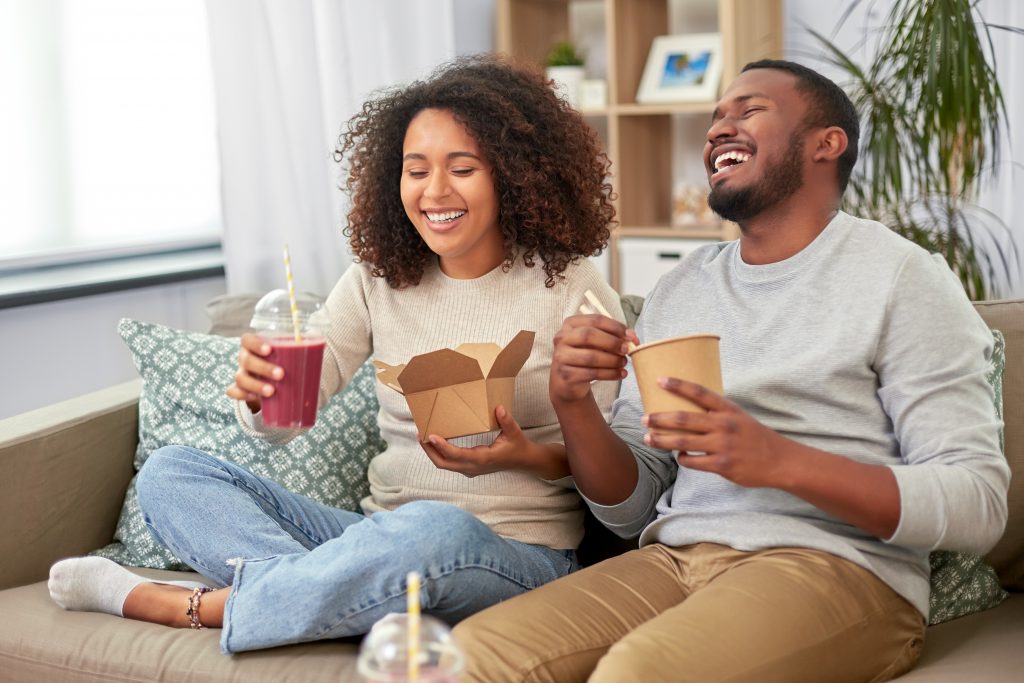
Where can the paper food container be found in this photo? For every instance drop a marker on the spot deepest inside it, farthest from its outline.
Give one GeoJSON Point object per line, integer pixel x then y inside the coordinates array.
{"type": "Point", "coordinates": [453, 392]}
{"type": "Point", "coordinates": [694, 358]}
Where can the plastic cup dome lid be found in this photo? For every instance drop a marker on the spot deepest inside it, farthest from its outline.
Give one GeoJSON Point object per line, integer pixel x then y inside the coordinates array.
{"type": "Point", "coordinates": [389, 633]}
{"type": "Point", "coordinates": [274, 310]}
{"type": "Point", "coordinates": [385, 649]}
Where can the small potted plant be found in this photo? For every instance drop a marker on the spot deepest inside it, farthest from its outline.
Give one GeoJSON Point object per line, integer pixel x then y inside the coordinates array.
{"type": "Point", "coordinates": [565, 68]}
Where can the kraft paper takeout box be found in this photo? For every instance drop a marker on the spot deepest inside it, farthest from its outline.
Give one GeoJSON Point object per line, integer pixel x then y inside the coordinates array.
{"type": "Point", "coordinates": [453, 392]}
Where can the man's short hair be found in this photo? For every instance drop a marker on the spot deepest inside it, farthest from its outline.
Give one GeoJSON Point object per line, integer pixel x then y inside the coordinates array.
{"type": "Point", "coordinates": [827, 105]}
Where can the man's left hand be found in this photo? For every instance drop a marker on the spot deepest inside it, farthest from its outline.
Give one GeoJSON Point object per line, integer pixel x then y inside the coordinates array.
{"type": "Point", "coordinates": [728, 441]}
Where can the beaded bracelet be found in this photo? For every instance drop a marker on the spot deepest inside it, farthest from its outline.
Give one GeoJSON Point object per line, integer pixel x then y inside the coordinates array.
{"type": "Point", "coordinates": [193, 607]}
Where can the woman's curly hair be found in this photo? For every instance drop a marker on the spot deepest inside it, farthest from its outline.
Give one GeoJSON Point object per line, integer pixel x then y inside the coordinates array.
{"type": "Point", "coordinates": [550, 173]}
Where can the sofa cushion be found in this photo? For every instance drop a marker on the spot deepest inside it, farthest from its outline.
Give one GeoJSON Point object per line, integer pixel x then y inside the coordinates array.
{"type": "Point", "coordinates": [962, 583]}
{"type": "Point", "coordinates": [230, 314]}
{"type": "Point", "coordinates": [1007, 557]}
{"type": "Point", "coordinates": [183, 402]}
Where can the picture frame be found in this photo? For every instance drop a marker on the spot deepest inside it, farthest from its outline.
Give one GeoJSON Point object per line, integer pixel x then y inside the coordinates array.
{"type": "Point", "coordinates": [682, 68]}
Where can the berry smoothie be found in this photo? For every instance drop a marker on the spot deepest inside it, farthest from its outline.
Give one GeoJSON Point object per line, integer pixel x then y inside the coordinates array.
{"type": "Point", "coordinates": [294, 402]}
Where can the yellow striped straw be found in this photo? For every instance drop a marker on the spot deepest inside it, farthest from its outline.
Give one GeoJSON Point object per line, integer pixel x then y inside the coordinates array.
{"type": "Point", "coordinates": [412, 607]}
{"type": "Point", "coordinates": [291, 294]}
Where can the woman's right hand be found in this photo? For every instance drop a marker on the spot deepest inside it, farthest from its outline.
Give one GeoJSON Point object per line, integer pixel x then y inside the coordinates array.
{"type": "Point", "coordinates": [250, 383]}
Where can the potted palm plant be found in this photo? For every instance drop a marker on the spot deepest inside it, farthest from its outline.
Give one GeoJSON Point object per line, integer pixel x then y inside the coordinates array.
{"type": "Point", "coordinates": [933, 114]}
{"type": "Point", "coordinates": [565, 68]}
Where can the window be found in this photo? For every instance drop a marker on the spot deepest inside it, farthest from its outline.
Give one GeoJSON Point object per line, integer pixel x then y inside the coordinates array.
{"type": "Point", "coordinates": [107, 129]}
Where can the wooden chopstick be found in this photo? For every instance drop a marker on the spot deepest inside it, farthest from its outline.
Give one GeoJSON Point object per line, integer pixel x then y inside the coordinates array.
{"type": "Point", "coordinates": [596, 307]}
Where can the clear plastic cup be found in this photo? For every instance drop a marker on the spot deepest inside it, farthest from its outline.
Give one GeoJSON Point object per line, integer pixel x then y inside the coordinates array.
{"type": "Point", "coordinates": [384, 654]}
{"type": "Point", "coordinates": [293, 404]}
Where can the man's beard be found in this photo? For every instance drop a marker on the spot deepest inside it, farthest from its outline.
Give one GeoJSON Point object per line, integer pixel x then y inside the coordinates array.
{"type": "Point", "coordinates": [781, 181]}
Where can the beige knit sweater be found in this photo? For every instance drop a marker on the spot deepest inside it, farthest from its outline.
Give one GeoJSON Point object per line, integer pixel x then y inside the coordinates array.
{"type": "Point", "coordinates": [367, 317]}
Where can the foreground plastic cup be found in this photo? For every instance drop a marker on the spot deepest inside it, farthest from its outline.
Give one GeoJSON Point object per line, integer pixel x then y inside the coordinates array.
{"type": "Point", "coordinates": [383, 656]}
{"type": "Point", "coordinates": [294, 402]}
{"type": "Point", "coordinates": [693, 358]}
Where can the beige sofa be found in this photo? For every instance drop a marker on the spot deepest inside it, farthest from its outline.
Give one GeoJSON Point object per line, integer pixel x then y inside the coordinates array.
{"type": "Point", "coordinates": [63, 474]}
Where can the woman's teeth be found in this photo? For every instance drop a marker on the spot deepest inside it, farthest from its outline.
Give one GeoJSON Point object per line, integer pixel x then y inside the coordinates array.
{"type": "Point", "coordinates": [444, 217]}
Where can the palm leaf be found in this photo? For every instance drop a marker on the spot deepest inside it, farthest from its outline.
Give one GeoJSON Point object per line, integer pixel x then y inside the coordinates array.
{"type": "Point", "coordinates": [933, 115]}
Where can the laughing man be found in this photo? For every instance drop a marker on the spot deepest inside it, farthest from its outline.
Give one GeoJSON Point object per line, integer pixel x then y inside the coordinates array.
{"type": "Point", "coordinates": [785, 532]}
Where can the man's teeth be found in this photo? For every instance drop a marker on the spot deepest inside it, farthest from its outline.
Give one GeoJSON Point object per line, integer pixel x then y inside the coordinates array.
{"type": "Point", "coordinates": [445, 217]}
{"type": "Point", "coordinates": [736, 156]}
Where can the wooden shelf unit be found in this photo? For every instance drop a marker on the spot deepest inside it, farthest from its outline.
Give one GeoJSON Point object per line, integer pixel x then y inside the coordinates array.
{"type": "Point", "coordinates": [639, 137]}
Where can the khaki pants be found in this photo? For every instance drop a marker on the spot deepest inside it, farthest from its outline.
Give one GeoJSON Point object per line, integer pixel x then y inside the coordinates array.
{"type": "Point", "coordinates": [704, 613]}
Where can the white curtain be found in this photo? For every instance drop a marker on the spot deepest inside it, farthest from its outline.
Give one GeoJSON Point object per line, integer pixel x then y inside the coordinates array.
{"type": "Point", "coordinates": [287, 75]}
{"type": "Point", "coordinates": [1005, 195]}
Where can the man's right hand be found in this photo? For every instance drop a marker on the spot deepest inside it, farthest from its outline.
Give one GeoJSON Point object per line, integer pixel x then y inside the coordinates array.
{"type": "Point", "coordinates": [587, 348]}
{"type": "Point", "coordinates": [250, 383]}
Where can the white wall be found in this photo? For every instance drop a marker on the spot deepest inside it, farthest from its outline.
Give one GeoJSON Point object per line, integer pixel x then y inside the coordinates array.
{"type": "Point", "coordinates": [63, 349]}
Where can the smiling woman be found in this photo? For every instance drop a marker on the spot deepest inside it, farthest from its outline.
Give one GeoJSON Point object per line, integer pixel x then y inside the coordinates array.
{"type": "Point", "coordinates": [448, 194]}
{"type": "Point", "coordinates": [108, 130]}
{"type": "Point", "coordinates": [476, 195]}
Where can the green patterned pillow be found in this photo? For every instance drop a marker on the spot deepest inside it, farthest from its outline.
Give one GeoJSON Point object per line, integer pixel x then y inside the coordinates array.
{"type": "Point", "coordinates": [962, 583]}
{"type": "Point", "coordinates": [183, 403]}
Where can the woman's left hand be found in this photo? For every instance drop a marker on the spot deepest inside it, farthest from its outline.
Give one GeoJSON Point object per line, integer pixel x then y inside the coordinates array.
{"type": "Point", "coordinates": [511, 450]}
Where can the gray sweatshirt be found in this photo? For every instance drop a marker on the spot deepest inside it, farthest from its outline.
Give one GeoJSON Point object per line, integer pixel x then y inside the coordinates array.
{"type": "Point", "coordinates": [862, 345]}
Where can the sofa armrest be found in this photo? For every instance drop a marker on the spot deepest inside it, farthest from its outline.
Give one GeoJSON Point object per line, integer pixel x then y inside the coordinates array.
{"type": "Point", "coordinates": [64, 470]}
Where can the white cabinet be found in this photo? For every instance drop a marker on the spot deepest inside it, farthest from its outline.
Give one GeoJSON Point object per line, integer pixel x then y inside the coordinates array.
{"type": "Point", "coordinates": [643, 260]}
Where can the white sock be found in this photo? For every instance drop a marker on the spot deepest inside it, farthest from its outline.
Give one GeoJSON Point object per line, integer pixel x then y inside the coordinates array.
{"type": "Point", "coordinates": [96, 584]}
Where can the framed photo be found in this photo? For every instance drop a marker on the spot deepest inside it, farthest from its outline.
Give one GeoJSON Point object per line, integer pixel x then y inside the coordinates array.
{"type": "Point", "coordinates": [685, 68]}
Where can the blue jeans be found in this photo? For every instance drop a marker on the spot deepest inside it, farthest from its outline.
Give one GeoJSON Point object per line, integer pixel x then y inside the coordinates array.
{"type": "Point", "coordinates": [302, 571]}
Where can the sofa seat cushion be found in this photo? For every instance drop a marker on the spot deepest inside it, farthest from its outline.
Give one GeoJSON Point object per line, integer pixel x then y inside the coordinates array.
{"type": "Point", "coordinates": [39, 641]}
{"type": "Point", "coordinates": [981, 647]}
